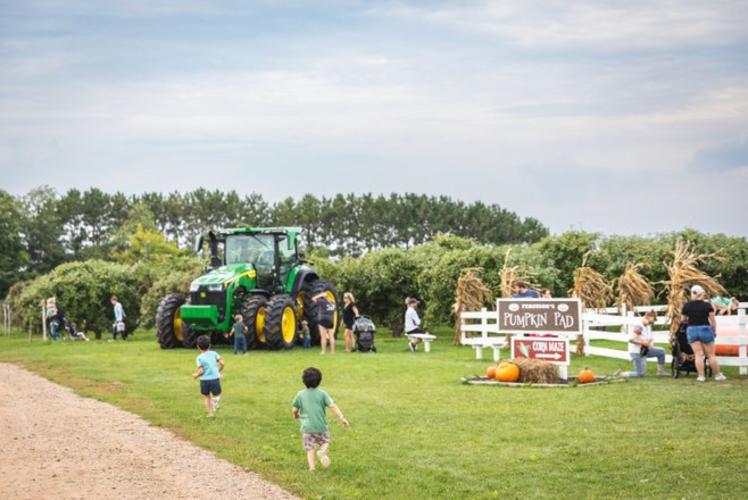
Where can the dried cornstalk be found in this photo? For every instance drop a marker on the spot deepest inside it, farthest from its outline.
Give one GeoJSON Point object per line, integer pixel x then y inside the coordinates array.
{"type": "Point", "coordinates": [684, 273]}
{"type": "Point", "coordinates": [633, 288]}
{"type": "Point", "coordinates": [592, 289]}
{"type": "Point", "coordinates": [471, 295]}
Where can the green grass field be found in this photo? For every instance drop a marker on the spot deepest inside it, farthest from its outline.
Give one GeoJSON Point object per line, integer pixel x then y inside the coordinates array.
{"type": "Point", "coordinates": [417, 432]}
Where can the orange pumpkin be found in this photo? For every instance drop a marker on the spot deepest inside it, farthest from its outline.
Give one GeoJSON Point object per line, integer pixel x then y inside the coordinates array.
{"type": "Point", "coordinates": [586, 376]}
{"type": "Point", "coordinates": [491, 372]}
{"type": "Point", "coordinates": [507, 372]}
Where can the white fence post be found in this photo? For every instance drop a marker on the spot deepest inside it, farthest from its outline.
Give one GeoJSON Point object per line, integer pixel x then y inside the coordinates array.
{"type": "Point", "coordinates": [742, 349]}
{"type": "Point", "coordinates": [44, 323]}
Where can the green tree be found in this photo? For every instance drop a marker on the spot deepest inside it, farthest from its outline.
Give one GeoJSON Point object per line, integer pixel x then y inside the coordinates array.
{"type": "Point", "coordinates": [13, 255]}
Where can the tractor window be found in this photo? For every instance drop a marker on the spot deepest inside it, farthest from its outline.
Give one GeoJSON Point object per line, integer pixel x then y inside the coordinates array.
{"type": "Point", "coordinates": [286, 255]}
{"type": "Point", "coordinates": [249, 248]}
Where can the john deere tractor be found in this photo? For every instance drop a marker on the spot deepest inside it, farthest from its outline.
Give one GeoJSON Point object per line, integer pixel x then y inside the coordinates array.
{"type": "Point", "coordinates": [253, 271]}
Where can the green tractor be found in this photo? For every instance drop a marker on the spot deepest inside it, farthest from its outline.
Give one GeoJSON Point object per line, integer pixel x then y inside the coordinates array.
{"type": "Point", "coordinates": [255, 272]}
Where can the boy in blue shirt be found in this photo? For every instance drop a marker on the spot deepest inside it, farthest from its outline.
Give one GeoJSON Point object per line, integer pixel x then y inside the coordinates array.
{"type": "Point", "coordinates": [209, 368]}
{"type": "Point", "coordinates": [309, 405]}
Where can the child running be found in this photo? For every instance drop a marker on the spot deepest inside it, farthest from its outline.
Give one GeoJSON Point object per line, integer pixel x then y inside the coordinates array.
{"type": "Point", "coordinates": [309, 405]}
{"type": "Point", "coordinates": [209, 368]}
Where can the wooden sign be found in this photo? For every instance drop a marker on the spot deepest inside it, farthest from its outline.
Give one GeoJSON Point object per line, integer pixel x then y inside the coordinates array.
{"type": "Point", "coordinates": [554, 350]}
{"type": "Point", "coordinates": [554, 316]}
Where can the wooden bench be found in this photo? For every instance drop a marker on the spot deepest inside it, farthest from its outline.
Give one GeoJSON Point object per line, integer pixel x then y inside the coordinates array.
{"type": "Point", "coordinates": [480, 343]}
{"type": "Point", "coordinates": [426, 338]}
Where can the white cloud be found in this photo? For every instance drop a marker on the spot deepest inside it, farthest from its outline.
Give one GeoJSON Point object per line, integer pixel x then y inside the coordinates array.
{"type": "Point", "coordinates": [594, 25]}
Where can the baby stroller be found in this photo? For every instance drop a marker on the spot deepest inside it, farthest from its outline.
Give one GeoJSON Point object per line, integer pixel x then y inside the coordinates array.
{"type": "Point", "coordinates": [683, 357]}
{"type": "Point", "coordinates": [364, 329]}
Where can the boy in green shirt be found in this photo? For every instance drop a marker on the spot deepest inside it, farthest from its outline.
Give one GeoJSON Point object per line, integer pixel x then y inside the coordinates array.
{"type": "Point", "coordinates": [309, 405]}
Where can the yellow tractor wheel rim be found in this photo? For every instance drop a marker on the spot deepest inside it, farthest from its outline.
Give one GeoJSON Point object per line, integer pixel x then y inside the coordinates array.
{"type": "Point", "coordinates": [177, 325]}
{"type": "Point", "coordinates": [331, 297]}
{"type": "Point", "coordinates": [288, 325]}
{"type": "Point", "coordinates": [260, 324]}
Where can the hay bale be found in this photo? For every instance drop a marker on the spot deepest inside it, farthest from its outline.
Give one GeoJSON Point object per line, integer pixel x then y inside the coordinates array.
{"type": "Point", "coordinates": [471, 295]}
{"type": "Point", "coordinates": [633, 288]}
{"type": "Point", "coordinates": [684, 272]}
{"type": "Point", "coordinates": [534, 371]}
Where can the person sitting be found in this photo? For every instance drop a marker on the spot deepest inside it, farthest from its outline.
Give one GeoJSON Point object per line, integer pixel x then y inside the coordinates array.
{"type": "Point", "coordinates": [521, 291]}
{"type": "Point", "coordinates": [641, 347]}
{"type": "Point", "coordinates": [73, 331]}
{"type": "Point", "coordinates": [413, 324]}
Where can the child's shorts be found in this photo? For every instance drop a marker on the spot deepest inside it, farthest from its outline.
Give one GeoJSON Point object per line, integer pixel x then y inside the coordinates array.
{"type": "Point", "coordinates": [314, 439]}
{"type": "Point", "coordinates": [208, 387]}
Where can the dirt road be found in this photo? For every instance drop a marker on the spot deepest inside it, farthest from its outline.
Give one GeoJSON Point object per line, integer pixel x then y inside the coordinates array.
{"type": "Point", "coordinates": [49, 450]}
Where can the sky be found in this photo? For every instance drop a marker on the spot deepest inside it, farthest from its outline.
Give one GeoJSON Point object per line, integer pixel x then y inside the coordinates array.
{"type": "Point", "coordinates": [624, 117]}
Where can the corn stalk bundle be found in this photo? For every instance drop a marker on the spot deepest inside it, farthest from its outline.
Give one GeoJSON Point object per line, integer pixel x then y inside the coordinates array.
{"type": "Point", "coordinates": [471, 295]}
{"type": "Point", "coordinates": [633, 288]}
{"type": "Point", "coordinates": [684, 273]}
{"type": "Point", "coordinates": [592, 289]}
{"type": "Point", "coordinates": [509, 274]}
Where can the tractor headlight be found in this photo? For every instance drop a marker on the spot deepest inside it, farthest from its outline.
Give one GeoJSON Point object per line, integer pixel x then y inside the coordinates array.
{"type": "Point", "coordinates": [215, 288]}
{"type": "Point", "coordinates": [194, 287]}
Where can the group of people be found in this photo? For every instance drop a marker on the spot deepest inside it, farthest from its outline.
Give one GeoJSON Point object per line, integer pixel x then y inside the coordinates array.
{"type": "Point", "coordinates": [59, 324]}
{"type": "Point", "coordinates": [699, 316]}
{"type": "Point", "coordinates": [309, 405]}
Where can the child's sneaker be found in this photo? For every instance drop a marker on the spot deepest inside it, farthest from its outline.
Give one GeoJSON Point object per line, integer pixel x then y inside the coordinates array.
{"type": "Point", "coordinates": [700, 379]}
{"type": "Point", "coordinates": [720, 377]}
{"type": "Point", "coordinates": [323, 459]}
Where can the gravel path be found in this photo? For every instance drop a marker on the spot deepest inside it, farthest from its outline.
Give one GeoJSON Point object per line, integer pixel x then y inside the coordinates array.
{"type": "Point", "coordinates": [48, 450]}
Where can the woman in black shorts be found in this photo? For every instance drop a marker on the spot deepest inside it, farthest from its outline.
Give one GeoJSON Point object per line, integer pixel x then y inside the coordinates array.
{"type": "Point", "coordinates": [325, 321]}
{"type": "Point", "coordinates": [701, 331]}
{"type": "Point", "coordinates": [350, 313]}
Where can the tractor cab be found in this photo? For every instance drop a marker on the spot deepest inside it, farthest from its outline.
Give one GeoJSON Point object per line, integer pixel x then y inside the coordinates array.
{"type": "Point", "coordinates": [272, 252]}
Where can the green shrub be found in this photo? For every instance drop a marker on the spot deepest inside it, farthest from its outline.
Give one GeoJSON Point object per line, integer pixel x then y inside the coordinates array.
{"type": "Point", "coordinates": [83, 289]}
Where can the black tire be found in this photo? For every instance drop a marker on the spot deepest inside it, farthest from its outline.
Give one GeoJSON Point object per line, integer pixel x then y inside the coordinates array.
{"type": "Point", "coordinates": [251, 306]}
{"type": "Point", "coordinates": [166, 335]}
{"type": "Point", "coordinates": [191, 336]}
{"type": "Point", "coordinates": [312, 288]}
{"type": "Point", "coordinates": [277, 308]}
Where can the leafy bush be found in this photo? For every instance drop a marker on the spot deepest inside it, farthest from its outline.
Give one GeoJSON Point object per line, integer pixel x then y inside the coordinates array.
{"type": "Point", "coordinates": [83, 289]}
{"type": "Point", "coordinates": [175, 278]}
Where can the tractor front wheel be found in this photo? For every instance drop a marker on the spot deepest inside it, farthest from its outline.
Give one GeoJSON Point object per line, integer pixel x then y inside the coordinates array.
{"type": "Point", "coordinates": [170, 330]}
{"type": "Point", "coordinates": [254, 312]}
{"type": "Point", "coordinates": [280, 323]}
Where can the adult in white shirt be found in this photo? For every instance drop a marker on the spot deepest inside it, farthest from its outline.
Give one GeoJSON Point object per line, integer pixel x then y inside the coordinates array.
{"type": "Point", "coordinates": [413, 323]}
{"type": "Point", "coordinates": [119, 319]}
{"type": "Point", "coordinates": [641, 347]}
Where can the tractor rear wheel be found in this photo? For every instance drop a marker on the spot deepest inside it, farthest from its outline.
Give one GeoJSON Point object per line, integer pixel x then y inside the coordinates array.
{"type": "Point", "coordinates": [312, 289]}
{"type": "Point", "coordinates": [280, 322]}
{"type": "Point", "coordinates": [170, 330]}
{"type": "Point", "coordinates": [254, 311]}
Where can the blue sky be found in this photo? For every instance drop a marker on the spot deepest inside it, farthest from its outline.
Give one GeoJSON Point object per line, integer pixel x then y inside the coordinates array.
{"type": "Point", "coordinates": [620, 117]}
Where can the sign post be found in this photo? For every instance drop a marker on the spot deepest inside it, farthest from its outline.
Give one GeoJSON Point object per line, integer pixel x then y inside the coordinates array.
{"type": "Point", "coordinates": [527, 319]}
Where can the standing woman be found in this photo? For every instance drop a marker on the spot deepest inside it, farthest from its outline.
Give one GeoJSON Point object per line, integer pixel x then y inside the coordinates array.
{"type": "Point", "coordinates": [350, 314]}
{"type": "Point", "coordinates": [701, 331]}
{"type": "Point", "coordinates": [325, 321]}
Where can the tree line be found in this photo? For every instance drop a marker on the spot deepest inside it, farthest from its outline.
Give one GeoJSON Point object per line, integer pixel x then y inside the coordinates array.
{"type": "Point", "coordinates": [43, 229]}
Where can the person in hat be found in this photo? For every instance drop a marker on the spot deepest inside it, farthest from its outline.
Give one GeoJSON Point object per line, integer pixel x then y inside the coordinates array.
{"type": "Point", "coordinates": [701, 331]}
{"type": "Point", "coordinates": [413, 323]}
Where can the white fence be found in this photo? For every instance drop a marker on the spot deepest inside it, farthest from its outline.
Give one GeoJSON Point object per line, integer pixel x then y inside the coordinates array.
{"type": "Point", "coordinates": [485, 323]}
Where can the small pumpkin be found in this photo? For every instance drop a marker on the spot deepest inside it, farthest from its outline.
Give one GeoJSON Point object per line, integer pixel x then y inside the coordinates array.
{"type": "Point", "coordinates": [507, 372]}
{"type": "Point", "coordinates": [586, 376]}
{"type": "Point", "coordinates": [491, 372]}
